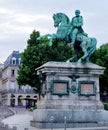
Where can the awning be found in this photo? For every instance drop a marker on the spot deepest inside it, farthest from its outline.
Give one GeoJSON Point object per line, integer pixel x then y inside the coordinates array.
{"type": "Point", "coordinates": [30, 99]}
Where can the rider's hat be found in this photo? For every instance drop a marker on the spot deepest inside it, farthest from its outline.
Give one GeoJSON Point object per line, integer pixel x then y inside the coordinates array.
{"type": "Point", "coordinates": [77, 11]}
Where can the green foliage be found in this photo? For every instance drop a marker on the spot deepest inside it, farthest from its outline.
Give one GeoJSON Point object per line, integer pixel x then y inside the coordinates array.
{"type": "Point", "coordinates": [105, 106]}
{"type": "Point", "coordinates": [100, 57]}
{"type": "Point", "coordinates": [32, 41]}
{"type": "Point", "coordinates": [36, 54]}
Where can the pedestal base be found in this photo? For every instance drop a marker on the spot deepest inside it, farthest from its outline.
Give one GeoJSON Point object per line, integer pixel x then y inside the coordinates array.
{"type": "Point", "coordinates": [74, 118]}
{"type": "Point", "coordinates": [70, 91]}
{"type": "Point", "coordinates": [62, 125]}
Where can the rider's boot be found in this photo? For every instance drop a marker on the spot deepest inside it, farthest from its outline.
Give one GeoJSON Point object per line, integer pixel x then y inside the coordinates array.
{"type": "Point", "coordinates": [73, 38]}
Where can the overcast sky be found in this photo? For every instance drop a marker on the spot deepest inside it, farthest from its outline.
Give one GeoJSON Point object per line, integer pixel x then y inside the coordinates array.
{"type": "Point", "coordinates": [18, 18]}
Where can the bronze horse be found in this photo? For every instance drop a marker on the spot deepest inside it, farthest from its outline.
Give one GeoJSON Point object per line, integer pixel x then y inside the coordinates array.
{"type": "Point", "coordinates": [83, 42]}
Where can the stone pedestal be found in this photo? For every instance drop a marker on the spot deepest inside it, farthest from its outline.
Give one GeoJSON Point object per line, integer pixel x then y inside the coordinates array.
{"type": "Point", "coordinates": [71, 91]}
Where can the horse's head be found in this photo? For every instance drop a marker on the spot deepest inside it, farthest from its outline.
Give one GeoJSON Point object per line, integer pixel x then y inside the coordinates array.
{"type": "Point", "coordinates": [60, 18]}
{"type": "Point", "coordinates": [57, 19]}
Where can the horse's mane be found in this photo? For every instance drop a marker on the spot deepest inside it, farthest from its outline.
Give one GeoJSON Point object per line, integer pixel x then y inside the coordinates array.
{"type": "Point", "coordinates": [62, 15]}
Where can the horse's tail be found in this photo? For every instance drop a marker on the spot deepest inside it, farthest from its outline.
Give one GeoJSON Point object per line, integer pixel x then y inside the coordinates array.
{"type": "Point", "coordinates": [93, 46]}
{"type": "Point", "coordinates": [93, 41]}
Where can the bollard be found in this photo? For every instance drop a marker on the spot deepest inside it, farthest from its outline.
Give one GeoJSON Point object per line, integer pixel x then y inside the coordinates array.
{"type": "Point", "coordinates": [6, 126]}
{"type": "Point", "coordinates": [65, 122]}
{"type": "Point", "coordinates": [26, 128]}
{"type": "Point", "coordinates": [14, 128]}
{"type": "Point", "coordinates": [2, 124]}
{"type": "Point", "coordinates": [52, 119]}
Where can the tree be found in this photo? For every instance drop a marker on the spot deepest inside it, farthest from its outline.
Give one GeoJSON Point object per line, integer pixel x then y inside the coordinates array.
{"type": "Point", "coordinates": [100, 57]}
{"type": "Point", "coordinates": [36, 54]}
{"type": "Point", "coordinates": [26, 72]}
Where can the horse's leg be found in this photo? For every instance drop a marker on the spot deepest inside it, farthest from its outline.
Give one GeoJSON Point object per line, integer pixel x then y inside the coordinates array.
{"type": "Point", "coordinates": [52, 38]}
{"type": "Point", "coordinates": [92, 48]}
{"type": "Point", "coordinates": [70, 59]}
{"type": "Point", "coordinates": [88, 54]}
{"type": "Point", "coordinates": [46, 35]}
{"type": "Point", "coordinates": [84, 47]}
{"type": "Point", "coordinates": [75, 56]}
{"type": "Point", "coordinates": [51, 41]}
{"type": "Point", "coordinates": [80, 60]}
{"type": "Point", "coordinates": [84, 56]}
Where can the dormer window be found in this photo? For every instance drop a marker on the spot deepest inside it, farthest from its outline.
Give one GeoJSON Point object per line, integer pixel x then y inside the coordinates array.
{"type": "Point", "coordinates": [19, 60]}
{"type": "Point", "coordinates": [13, 60]}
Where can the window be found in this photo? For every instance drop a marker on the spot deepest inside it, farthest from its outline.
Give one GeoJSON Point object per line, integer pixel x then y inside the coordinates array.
{"type": "Point", "coordinates": [12, 86]}
{"type": "Point", "coordinates": [12, 73]}
{"type": "Point", "coordinates": [13, 60]}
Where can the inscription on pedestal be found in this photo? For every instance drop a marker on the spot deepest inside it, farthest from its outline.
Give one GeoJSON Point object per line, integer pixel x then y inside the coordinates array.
{"type": "Point", "coordinates": [87, 88]}
{"type": "Point", "coordinates": [60, 87]}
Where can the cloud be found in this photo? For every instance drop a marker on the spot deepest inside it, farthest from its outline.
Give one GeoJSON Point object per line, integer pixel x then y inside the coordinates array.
{"type": "Point", "coordinates": [13, 22]}
{"type": "Point", "coordinates": [18, 18]}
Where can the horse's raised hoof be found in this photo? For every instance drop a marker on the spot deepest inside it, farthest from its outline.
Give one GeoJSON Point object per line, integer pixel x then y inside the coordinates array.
{"type": "Point", "coordinates": [38, 38]}
{"type": "Point", "coordinates": [68, 61]}
{"type": "Point", "coordinates": [79, 61]}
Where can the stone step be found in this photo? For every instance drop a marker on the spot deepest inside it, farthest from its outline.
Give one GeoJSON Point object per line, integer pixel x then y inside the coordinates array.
{"type": "Point", "coordinates": [90, 128]}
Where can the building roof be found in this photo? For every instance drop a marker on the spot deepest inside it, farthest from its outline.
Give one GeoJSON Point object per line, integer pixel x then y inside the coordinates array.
{"type": "Point", "coordinates": [15, 55]}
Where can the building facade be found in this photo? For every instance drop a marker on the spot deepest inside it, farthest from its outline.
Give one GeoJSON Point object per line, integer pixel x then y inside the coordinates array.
{"type": "Point", "coordinates": [15, 95]}
{"type": "Point", "coordinates": [1, 67]}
